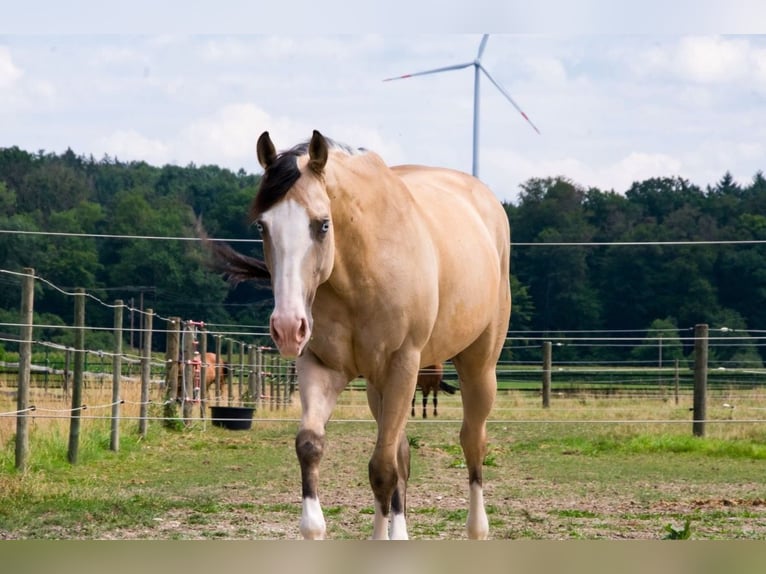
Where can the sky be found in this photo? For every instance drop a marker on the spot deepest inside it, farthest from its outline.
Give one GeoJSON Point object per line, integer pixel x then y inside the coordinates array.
{"type": "Point", "coordinates": [612, 108]}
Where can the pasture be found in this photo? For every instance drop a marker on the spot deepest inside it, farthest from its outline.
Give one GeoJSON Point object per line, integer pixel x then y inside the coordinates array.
{"type": "Point", "coordinates": [589, 467]}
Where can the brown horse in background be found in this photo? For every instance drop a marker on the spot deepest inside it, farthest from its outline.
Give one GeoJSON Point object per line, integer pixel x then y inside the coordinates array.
{"type": "Point", "coordinates": [431, 380]}
{"type": "Point", "coordinates": [213, 366]}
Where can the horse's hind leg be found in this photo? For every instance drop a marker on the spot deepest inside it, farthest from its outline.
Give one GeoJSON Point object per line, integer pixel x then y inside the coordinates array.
{"type": "Point", "coordinates": [319, 388]}
{"type": "Point", "coordinates": [478, 384]}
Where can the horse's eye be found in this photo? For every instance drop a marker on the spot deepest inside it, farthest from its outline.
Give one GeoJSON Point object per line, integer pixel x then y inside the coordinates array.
{"type": "Point", "coordinates": [259, 226]}
{"type": "Point", "coordinates": [325, 226]}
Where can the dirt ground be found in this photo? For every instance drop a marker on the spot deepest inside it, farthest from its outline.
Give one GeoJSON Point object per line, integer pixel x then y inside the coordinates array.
{"type": "Point", "coordinates": [537, 487]}
{"type": "Point", "coordinates": [521, 505]}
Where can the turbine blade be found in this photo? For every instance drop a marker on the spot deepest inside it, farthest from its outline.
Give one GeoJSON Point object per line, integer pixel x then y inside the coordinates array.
{"type": "Point", "coordinates": [508, 97]}
{"type": "Point", "coordinates": [434, 71]}
{"type": "Point", "coordinates": [483, 45]}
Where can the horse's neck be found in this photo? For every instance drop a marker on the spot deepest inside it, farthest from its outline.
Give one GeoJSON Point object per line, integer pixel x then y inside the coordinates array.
{"type": "Point", "coordinates": [365, 194]}
{"type": "Point", "coordinates": [368, 202]}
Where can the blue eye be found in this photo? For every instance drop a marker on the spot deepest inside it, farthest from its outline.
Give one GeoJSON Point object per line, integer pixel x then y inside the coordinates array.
{"type": "Point", "coordinates": [325, 226]}
{"type": "Point", "coordinates": [259, 226]}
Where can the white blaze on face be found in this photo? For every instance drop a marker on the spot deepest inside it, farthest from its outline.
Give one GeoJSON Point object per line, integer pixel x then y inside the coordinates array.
{"type": "Point", "coordinates": [290, 242]}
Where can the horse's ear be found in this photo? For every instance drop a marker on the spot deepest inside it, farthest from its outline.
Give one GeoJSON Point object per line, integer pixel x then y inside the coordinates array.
{"type": "Point", "coordinates": [267, 153]}
{"type": "Point", "coordinates": [317, 153]}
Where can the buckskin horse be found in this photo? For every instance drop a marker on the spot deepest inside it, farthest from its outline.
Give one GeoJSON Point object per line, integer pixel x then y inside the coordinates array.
{"type": "Point", "coordinates": [431, 380]}
{"type": "Point", "coordinates": [379, 271]}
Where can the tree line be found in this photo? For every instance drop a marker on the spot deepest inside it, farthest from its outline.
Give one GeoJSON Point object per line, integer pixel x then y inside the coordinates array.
{"type": "Point", "coordinates": [656, 285]}
{"type": "Point", "coordinates": [653, 287]}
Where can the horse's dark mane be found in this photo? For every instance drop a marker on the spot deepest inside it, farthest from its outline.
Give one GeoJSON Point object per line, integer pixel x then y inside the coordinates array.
{"type": "Point", "coordinates": [283, 173]}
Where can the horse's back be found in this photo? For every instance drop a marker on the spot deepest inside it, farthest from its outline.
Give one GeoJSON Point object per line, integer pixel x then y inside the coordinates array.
{"type": "Point", "coordinates": [444, 192]}
{"type": "Point", "coordinates": [471, 234]}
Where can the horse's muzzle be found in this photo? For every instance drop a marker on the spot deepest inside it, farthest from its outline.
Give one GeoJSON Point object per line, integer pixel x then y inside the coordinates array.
{"type": "Point", "coordinates": [289, 333]}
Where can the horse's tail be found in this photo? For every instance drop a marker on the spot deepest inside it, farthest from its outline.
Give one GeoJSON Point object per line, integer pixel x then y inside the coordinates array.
{"type": "Point", "coordinates": [446, 387]}
{"type": "Point", "coordinates": [235, 266]}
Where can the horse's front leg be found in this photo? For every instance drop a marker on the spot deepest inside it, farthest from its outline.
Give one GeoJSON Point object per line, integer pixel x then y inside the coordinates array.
{"type": "Point", "coordinates": [319, 388]}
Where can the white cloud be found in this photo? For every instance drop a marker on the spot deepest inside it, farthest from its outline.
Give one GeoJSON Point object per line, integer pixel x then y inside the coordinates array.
{"type": "Point", "coordinates": [612, 109]}
{"type": "Point", "coordinates": [705, 60]}
{"type": "Point", "coordinates": [546, 72]}
{"type": "Point", "coordinates": [707, 163]}
{"type": "Point", "coordinates": [618, 175]}
{"type": "Point", "coordinates": [229, 135]}
{"type": "Point", "coordinates": [129, 145]}
{"type": "Point", "coordinates": [227, 49]}
{"type": "Point", "coordinates": [228, 138]}
{"type": "Point", "coordinates": [637, 166]}
{"type": "Point", "coordinates": [21, 90]}
{"type": "Point", "coordinates": [9, 72]}
{"type": "Point", "coordinates": [116, 56]}
{"type": "Point", "coordinates": [712, 59]}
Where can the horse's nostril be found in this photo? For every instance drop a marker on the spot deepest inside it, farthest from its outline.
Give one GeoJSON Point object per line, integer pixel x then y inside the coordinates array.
{"type": "Point", "coordinates": [275, 334]}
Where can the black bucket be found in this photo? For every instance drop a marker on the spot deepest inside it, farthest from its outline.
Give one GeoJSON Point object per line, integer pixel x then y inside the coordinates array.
{"type": "Point", "coordinates": [232, 418]}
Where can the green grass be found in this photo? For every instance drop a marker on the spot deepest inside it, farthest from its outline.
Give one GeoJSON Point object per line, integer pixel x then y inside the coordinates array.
{"type": "Point", "coordinates": [574, 513]}
{"type": "Point", "coordinates": [563, 480]}
{"type": "Point", "coordinates": [647, 444]}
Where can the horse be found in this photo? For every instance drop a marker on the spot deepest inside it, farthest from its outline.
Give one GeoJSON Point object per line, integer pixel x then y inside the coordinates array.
{"type": "Point", "coordinates": [378, 271]}
{"type": "Point", "coordinates": [213, 367]}
{"type": "Point", "coordinates": [430, 379]}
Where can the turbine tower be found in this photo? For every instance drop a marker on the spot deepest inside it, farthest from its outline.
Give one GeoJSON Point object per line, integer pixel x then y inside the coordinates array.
{"type": "Point", "coordinates": [477, 68]}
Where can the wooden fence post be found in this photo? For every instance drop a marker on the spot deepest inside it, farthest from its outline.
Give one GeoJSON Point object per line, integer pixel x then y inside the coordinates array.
{"type": "Point", "coordinates": [700, 378]}
{"type": "Point", "coordinates": [547, 361]}
{"type": "Point", "coordinates": [230, 374]}
{"type": "Point", "coordinates": [146, 374]}
{"type": "Point", "coordinates": [675, 382]}
{"type": "Point", "coordinates": [252, 386]}
{"type": "Point", "coordinates": [46, 350]}
{"type": "Point", "coordinates": [273, 365]}
{"type": "Point", "coordinates": [79, 364]}
{"type": "Point", "coordinates": [188, 376]}
{"type": "Point", "coordinates": [218, 369]}
{"type": "Point", "coordinates": [241, 369]}
{"type": "Point", "coordinates": [25, 366]}
{"type": "Point", "coordinates": [203, 372]}
{"type": "Point", "coordinates": [114, 436]}
{"type": "Point", "coordinates": [258, 376]}
{"type": "Point", "coordinates": [280, 382]}
{"type": "Point", "coordinates": [292, 377]}
{"type": "Point", "coordinates": [171, 371]}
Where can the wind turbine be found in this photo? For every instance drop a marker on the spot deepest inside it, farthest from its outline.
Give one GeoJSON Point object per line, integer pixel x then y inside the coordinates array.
{"type": "Point", "coordinates": [478, 67]}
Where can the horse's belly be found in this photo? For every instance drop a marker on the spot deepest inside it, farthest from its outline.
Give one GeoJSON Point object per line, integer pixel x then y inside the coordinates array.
{"type": "Point", "coordinates": [464, 315]}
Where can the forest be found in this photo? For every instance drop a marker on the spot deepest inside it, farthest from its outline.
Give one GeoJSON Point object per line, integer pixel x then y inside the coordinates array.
{"type": "Point", "coordinates": [659, 257]}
